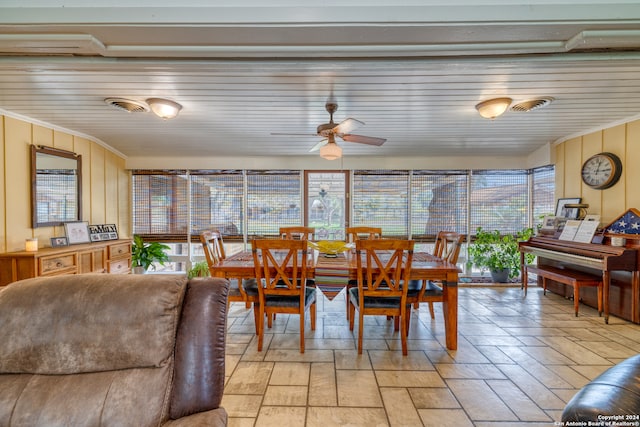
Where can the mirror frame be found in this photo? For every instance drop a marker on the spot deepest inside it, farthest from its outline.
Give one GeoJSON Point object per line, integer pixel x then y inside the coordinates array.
{"type": "Point", "coordinates": [41, 149]}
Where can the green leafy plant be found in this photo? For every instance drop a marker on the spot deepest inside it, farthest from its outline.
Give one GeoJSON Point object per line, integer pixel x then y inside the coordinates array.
{"type": "Point", "coordinates": [145, 254]}
{"type": "Point", "coordinates": [199, 269]}
{"type": "Point", "coordinates": [494, 252]}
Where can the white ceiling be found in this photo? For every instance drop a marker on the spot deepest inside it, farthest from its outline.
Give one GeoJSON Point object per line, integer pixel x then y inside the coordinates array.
{"type": "Point", "coordinates": [412, 71]}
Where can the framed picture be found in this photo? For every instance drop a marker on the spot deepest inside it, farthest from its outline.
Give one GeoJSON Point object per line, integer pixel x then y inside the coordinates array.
{"type": "Point", "coordinates": [563, 212]}
{"type": "Point", "coordinates": [549, 223]}
{"type": "Point", "coordinates": [77, 232]}
{"type": "Point", "coordinates": [59, 241]}
{"type": "Point", "coordinates": [101, 232]}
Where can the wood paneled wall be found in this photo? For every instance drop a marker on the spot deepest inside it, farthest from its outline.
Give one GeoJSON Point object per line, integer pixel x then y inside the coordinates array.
{"type": "Point", "coordinates": [105, 183]}
{"type": "Point", "coordinates": [622, 140]}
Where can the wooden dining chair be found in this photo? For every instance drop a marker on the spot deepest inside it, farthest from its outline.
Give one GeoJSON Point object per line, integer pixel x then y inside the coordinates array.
{"type": "Point", "coordinates": [447, 247]}
{"type": "Point", "coordinates": [359, 233]}
{"type": "Point", "coordinates": [368, 233]}
{"type": "Point", "coordinates": [297, 233]}
{"type": "Point", "coordinates": [240, 290]}
{"type": "Point", "coordinates": [382, 288]}
{"type": "Point", "coordinates": [281, 271]}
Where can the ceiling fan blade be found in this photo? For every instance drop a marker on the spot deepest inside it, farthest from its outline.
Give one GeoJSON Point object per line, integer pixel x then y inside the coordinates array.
{"type": "Point", "coordinates": [319, 145]}
{"type": "Point", "coordinates": [346, 126]}
{"type": "Point", "coordinates": [294, 134]}
{"type": "Point", "coordinates": [370, 140]}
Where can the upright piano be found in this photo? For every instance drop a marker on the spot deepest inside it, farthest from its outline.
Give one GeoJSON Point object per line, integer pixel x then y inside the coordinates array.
{"type": "Point", "coordinates": [617, 265]}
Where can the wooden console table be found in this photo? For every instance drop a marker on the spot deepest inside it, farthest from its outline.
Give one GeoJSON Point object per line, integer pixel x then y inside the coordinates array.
{"type": "Point", "coordinates": [112, 256]}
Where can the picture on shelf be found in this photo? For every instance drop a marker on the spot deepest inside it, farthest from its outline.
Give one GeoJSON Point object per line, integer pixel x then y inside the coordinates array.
{"type": "Point", "coordinates": [59, 241]}
{"type": "Point", "coordinates": [564, 212]}
{"type": "Point", "coordinates": [102, 232]}
{"type": "Point", "coordinates": [77, 232]}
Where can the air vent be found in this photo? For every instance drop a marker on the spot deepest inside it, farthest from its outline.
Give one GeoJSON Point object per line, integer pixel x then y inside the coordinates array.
{"type": "Point", "coordinates": [532, 104]}
{"type": "Point", "coordinates": [128, 105]}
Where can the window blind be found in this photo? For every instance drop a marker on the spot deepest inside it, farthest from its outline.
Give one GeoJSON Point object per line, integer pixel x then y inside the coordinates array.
{"type": "Point", "coordinates": [160, 208]}
{"type": "Point", "coordinates": [217, 202]}
{"type": "Point", "coordinates": [499, 200]}
{"type": "Point", "coordinates": [438, 203]}
{"type": "Point", "coordinates": [381, 199]}
{"type": "Point", "coordinates": [543, 194]}
{"type": "Point", "coordinates": [273, 200]}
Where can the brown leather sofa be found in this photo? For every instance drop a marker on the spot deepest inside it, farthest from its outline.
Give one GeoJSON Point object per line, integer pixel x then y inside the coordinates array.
{"type": "Point", "coordinates": [612, 398]}
{"type": "Point", "coordinates": [113, 350]}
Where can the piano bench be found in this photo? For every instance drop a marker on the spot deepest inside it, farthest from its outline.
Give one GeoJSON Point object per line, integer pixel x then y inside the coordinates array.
{"type": "Point", "coordinates": [569, 277]}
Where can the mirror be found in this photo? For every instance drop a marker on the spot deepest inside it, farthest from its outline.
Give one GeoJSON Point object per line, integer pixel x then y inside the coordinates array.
{"type": "Point", "coordinates": [56, 186]}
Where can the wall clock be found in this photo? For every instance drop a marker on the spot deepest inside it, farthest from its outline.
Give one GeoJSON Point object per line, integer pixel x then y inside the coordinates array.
{"type": "Point", "coordinates": [602, 170]}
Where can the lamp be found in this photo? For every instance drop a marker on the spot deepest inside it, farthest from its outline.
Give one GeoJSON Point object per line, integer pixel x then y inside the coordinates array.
{"type": "Point", "coordinates": [331, 150]}
{"type": "Point", "coordinates": [492, 108]}
{"type": "Point", "coordinates": [164, 108]}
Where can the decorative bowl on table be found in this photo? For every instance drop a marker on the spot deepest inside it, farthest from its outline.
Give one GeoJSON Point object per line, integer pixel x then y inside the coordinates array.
{"type": "Point", "coordinates": [330, 248]}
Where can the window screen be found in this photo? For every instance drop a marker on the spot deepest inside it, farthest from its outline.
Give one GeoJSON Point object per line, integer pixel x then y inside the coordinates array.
{"type": "Point", "coordinates": [217, 202]}
{"type": "Point", "coordinates": [499, 200]}
{"type": "Point", "coordinates": [543, 192]}
{"type": "Point", "coordinates": [160, 208]}
{"type": "Point", "coordinates": [438, 203]}
{"type": "Point", "coordinates": [273, 201]}
{"type": "Point", "coordinates": [380, 199]}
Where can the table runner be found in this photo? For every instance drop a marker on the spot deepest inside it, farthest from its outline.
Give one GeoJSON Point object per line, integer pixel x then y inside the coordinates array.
{"type": "Point", "coordinates": [331, 275]}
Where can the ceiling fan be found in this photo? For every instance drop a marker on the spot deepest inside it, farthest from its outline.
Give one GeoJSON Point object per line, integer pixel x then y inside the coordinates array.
{"type": "Point", "coordinates": [328, 147]}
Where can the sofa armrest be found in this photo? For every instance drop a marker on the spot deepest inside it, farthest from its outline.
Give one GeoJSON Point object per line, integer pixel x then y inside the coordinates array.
{"type": "Point", "coordinates": [213, 418]}
{"type": "Point", "coordinates": [615, 392]}
{"type": "Point", "coordinates": [200, 348]}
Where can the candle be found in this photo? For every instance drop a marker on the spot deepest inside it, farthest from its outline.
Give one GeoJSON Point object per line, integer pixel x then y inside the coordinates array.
{"type": "Point", "coordinates": [31, 245]}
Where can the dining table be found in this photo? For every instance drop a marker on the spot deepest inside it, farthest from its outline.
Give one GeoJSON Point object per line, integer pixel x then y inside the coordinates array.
{"type": "Point", "coordinates": [424, 266]}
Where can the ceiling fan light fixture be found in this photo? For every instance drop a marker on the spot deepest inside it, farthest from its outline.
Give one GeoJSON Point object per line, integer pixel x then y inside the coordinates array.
{"type": "Point", "coordinates": [164, 108]}
{"type": "Point", "coordinates": [492, 108]}
{"type": "Point", "coordinates": [330, 151]}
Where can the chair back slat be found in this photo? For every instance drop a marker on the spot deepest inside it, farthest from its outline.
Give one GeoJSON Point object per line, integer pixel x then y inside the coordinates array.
{"type": "Point", "coordinates": [360, 233]}
{"type": "Point", "coordinates": [213, 247]}
{"type": "Point", "coordinates": [297, 233]}
{"type": "Point", "coordinates": [386, 265]}
{"type": "Point", "coordinates": [281, 265]}
{"type": "Point", "coordinates": [448, 244]}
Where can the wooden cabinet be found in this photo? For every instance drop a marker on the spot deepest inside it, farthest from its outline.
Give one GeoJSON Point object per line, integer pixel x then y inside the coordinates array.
{"type": "Point", "coordinates": [101, 257]}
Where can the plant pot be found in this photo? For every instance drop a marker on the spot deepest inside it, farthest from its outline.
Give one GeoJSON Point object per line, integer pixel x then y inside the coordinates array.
{"type": "Point", "coordinates": [139, 270]}
{"type": "Point", "coordinates": [500, 276]}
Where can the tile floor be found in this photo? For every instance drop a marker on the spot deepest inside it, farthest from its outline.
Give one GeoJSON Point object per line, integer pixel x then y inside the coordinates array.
{"type": "Point", "coordinates": [519, 360]}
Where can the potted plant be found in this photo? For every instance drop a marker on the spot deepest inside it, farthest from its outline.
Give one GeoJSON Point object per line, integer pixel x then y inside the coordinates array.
{"type": "Point", "coordinates": [499, 254]}
{"type": "Point", "coordinates": [143, 255]}
{"type": "Point", "coordinates": [199, 269]}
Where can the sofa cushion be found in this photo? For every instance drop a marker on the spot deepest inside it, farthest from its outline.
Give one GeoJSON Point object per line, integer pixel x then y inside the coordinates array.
{"type": "Point", "coordinates": [89, 323]}
{"type": "Point", "coordinates": [128, 397]}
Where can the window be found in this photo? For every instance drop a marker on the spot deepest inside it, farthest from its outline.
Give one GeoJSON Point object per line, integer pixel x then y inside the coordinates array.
{"type": "Point", "coordinates": [217, 202]}
{"type": "Point", "coordinates": [438, 202]}
{"type": "Point", "coordinates": [543, 194]}
{"type": "Point", "coordinates": [160, 208]}
{"type": "Point", "coordinates": [499, 200]}
{"type": "Point", "coordinates": [170, 205]}
{"type": "Point", "coordinates": [273, 201]}
{"type": "Point", "coordinates": [380, 199]}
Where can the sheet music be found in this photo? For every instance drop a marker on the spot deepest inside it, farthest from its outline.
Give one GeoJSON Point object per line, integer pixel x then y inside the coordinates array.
{"type": "Point", "coordinates": [570, 229]}
{"type": "Point", "coordinates": [587, 230]}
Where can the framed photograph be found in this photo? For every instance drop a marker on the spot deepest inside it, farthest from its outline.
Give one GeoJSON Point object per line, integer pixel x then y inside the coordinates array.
{"type": "Point", "coordinates": [549, 223]}
{"type": "Point", "coordinates": [563, 212]}
{"type": "Point", "coordinates": [101, 232]}
{"type": "Point", "coordinates": [77, 232]}
{"type": "Point", "coordinates": [59, 241]}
